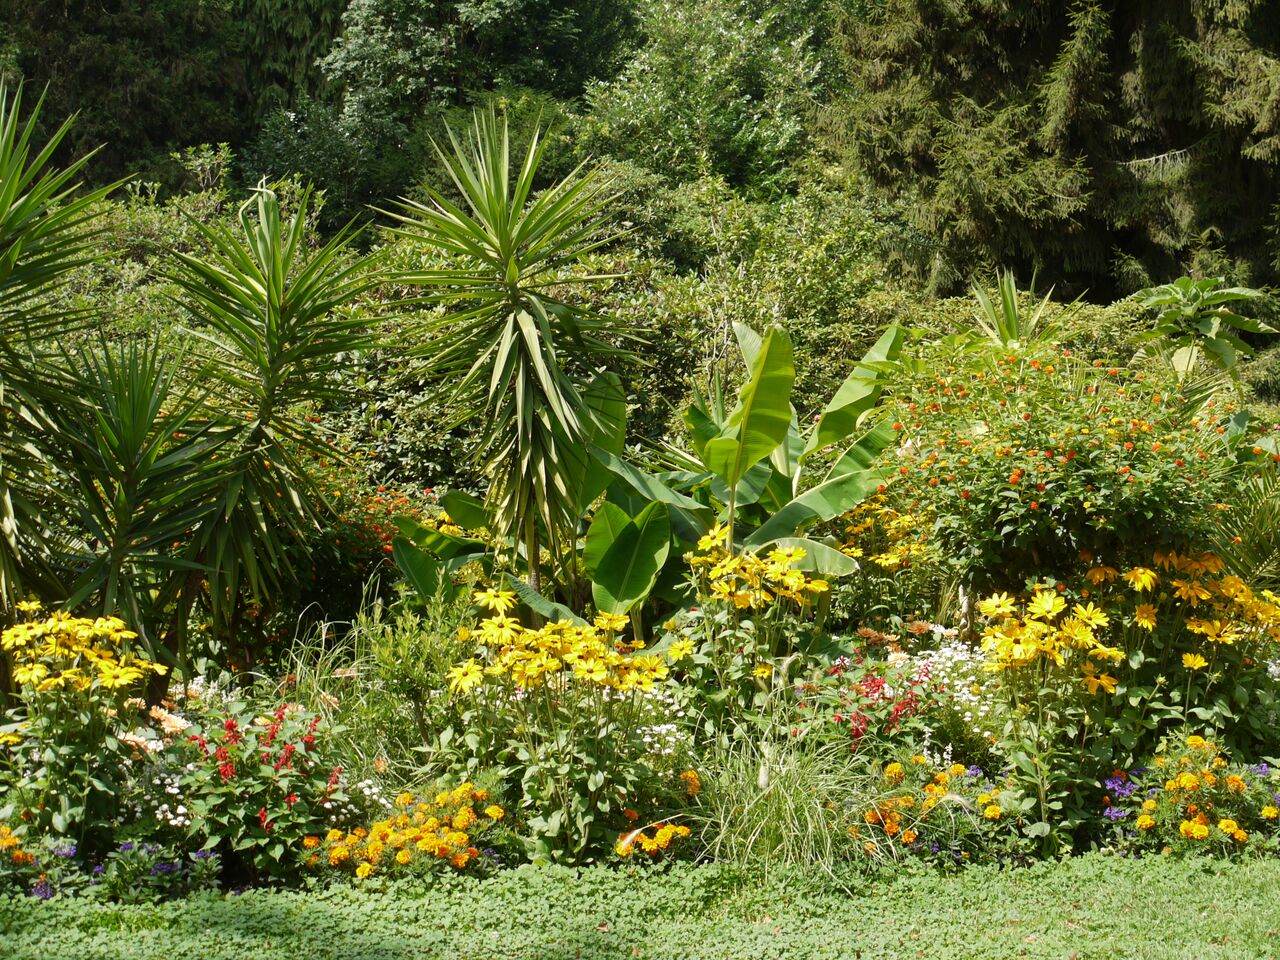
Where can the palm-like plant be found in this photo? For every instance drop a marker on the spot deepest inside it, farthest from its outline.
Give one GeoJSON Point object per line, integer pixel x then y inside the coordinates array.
{"type": "Point", "coordinates": [47, 229]}
{"type": "Point", "coordinates": [138, 464]}
{"type": "Point", "coordinates": [521, 358]}
{"type": "Point", "coordinates": [1004, 323]}
{"type": "Point", "coordinates": [275, 319]}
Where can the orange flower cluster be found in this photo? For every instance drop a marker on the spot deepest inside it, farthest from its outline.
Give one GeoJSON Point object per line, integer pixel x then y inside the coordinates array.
{"type": "Point", "coordinates": [424, 832]}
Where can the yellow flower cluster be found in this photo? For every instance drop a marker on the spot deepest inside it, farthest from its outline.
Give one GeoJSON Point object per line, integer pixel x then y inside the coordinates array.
{"type": "Point", "coordinates": [1021, 637]}
{"type": "Point", "coordinates": [1192, 590]}
{"type": "Point", "coordinates": [692, 783]}
{"type": "Point", "coordinates": [749, 581]}
{"type": "Point", "coordinates": [63, 652]}
{"type": "Point", "coordinates": [424, 831]}
{"type": "Point", "coordinates": [890, 539]}
{"type": "Point", "coordinates": [655, 844]}
{"type": "Point", "coordinates": [1180, 591]}
{"type": "Point", "coordinates": [589, 653]}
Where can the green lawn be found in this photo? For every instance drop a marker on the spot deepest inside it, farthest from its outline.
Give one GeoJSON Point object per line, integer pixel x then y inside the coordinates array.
{"type": "Point", "coordinates": [1086, 908]}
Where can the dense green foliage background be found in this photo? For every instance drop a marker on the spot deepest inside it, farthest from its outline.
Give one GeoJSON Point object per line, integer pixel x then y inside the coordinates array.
{"type": "Point", "coordinates": [1107, 145]}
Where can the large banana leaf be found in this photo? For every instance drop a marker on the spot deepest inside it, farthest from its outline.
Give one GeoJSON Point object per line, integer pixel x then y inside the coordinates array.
{"type": "Point", "coordinates": [858, 394]}
{"type": "Point", "coordinates": [759, 421]}
{"type": "Point", "coordinates": [851, 479]}
{"type": "Point", "coordinates": [629, 567]}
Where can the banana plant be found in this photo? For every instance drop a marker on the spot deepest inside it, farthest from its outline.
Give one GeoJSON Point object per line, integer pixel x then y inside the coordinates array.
{"type": "Point", "coordinates": [751, 467]}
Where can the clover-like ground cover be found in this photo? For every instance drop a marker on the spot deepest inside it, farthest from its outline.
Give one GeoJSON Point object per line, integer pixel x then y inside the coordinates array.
{"type": "Point", "coordinates": [1089, 907]}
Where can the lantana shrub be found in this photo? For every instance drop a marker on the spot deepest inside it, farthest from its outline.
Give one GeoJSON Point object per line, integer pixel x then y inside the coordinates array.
{"type": "Point", "coordinates": [946, 814]}
{"type": "Point", "coordinates": [1025, 462]}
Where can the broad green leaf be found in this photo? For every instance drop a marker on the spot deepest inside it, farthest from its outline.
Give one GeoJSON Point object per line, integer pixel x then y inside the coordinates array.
{"type": "Point", "coordinates": [443, 545]}
{"type": "Point", "coordinates": [465, 510]}
{"type": "Point", "coordinates": [422, 570]}
{"type": "Point", "coordinates": [760, 420]}
{"type": "Point", "coordinates": [858, 394]}
{"type": "Point", "coordinates": [630, 567]}
{"type": "Point", "coordinates": [819, 558]}
{"type": "Point", "coordinates": [548, 609]}
{"type": "Point", "coordinates": [849, 482]}
{"type": "Point", "coordinates": [608, 522]}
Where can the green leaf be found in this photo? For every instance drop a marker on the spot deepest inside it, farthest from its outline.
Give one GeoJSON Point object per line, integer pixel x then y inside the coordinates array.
{"type": "Point", "coordinates": [858, 394]}
{"type": "Point", "coordinates": [762, 415]}
{"type": "Point", "coordinates": [422, 570]}
{"type": "Point", "coordinates": [851, 479]}
{"type": "Point", "coordinates": [630, 567]}
{"type": "Point", "coordinates": [609, 521]}
{"type": "Point", "coordinates": [548, 609]}
{"type": "Point", "coordinates": [819, 558]}
{"type": "Point", "coordinates": [465, 510]}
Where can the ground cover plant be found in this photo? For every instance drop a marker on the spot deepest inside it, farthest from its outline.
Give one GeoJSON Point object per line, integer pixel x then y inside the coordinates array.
{"type": "Point", "coordinates": [578, 499]}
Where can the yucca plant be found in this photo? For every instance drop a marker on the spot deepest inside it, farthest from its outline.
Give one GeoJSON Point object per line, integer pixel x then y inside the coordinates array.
{"type": "Point", "coordinates": [137, 465]}
{"type": "Point", "coordinates": [520, 359]}
{"type": "Point", "coordinates": [1004, 323]}
{"type": "Point", "coordinates": [273, 316]}
{"type": "Point", "coordinates": [48, 227]}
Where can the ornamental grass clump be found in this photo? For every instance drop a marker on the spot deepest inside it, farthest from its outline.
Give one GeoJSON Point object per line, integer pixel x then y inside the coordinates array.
{"type": "Point", "coordinates": [1191, 800]}
{"type": "Point", "coordinates": [563, 706]}
{"type": "Point", "coordinates": [455, 831]}
{"type": "Point", "coordinates": [61, 756]}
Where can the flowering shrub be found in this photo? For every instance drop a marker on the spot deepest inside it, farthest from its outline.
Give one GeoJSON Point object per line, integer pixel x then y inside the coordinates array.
{"type": "Point", "coordinates": [256, 785]}
{"type": "Point", "coordinates": [61, 755]}
{"type": "Point", "coordinates": [1191, 800]}
{"type": "Point", "coordinates": [874, 698]}
{"type": "Point", "coordinates": [944, 814]}
{"type": "Point", "coordinates": [1179, 638]}
{"type": "Point", "coordinates": [1025, 462]}
{"type": "Point", "coordinates": [423, 836]}
{"type": "Point", "coordinates": [563, 704]}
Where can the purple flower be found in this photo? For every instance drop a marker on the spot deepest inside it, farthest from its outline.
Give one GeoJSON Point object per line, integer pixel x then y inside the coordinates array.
{"type": "Point", "coordinates": [974, 771]}
{"type": "Point", "coordinates": [203, 854]}
{"type": "Point", "coordinates": [1121, 786]}
{"type": "Point", "coordinates": [67, 852]}
{"type": "Point", "coordinates": [1115, 813]}
{"type": "Point", "coordinates": [161, 869]}
{"type": "Point", "coordinates": [1261, 769]}
{"type": "Point", "coordinates": [42, 889]}
{"type": "Point", "coordinates": [99, 870]}
{"type": "Point", "coordinates": [126, 847]}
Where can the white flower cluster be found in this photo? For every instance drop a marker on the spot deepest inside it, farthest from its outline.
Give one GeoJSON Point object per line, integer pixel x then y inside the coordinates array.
{"type": "Point", "coordinates": [171, 810]}
{"type": "Point", "coordinates": [659, 726]}
{"type": "Point", "coordinates": [958, 667]}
